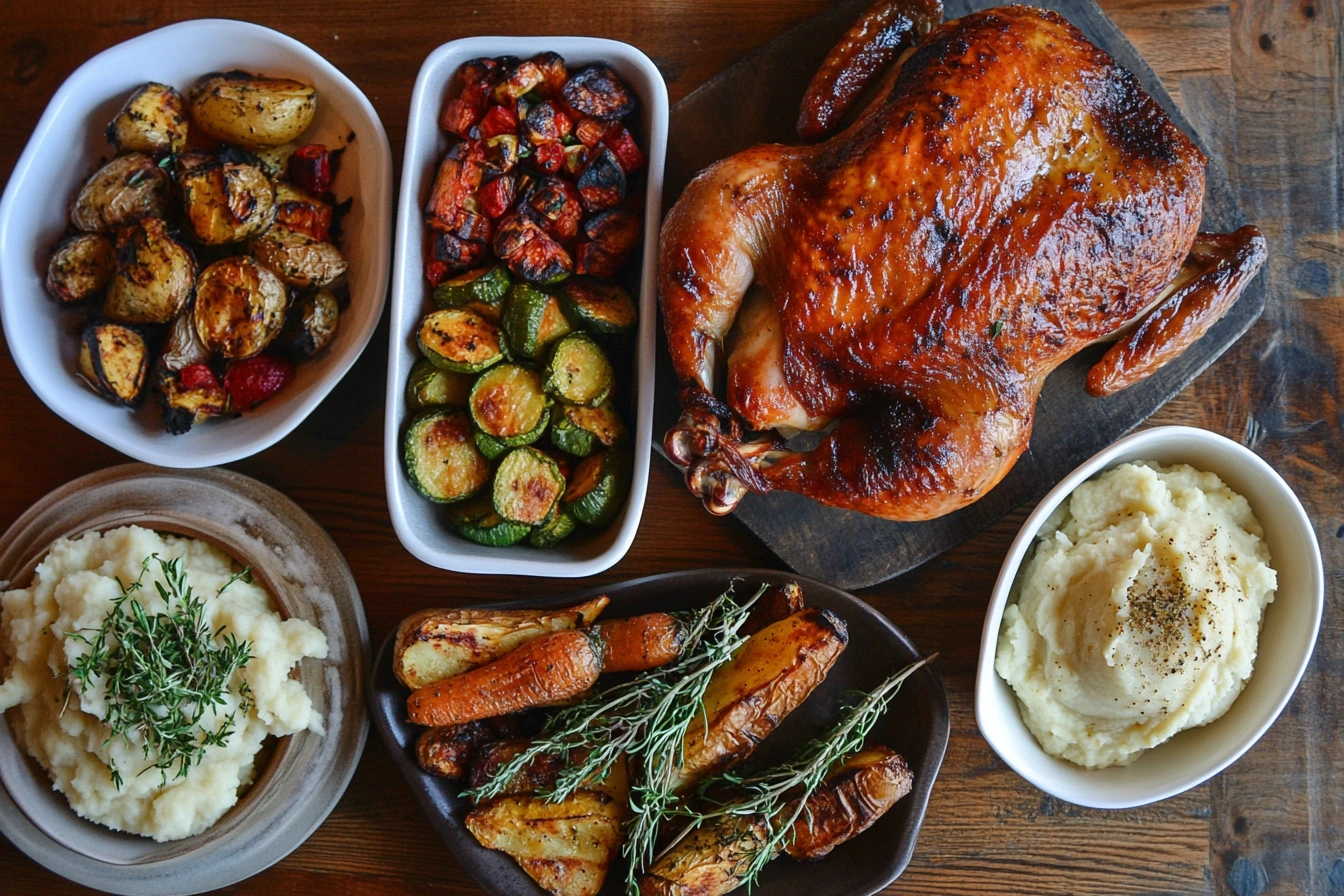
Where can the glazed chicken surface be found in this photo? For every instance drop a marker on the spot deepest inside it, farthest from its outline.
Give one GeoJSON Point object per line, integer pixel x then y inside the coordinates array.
{"type": "Point", "coordinates": [907, 285]}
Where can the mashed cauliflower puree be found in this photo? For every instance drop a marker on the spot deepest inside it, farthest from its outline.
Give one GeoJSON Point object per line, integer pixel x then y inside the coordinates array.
{"type": "Point", "coordinates": [1138, 615]}
{"type": "Point", "coordinates": [72, 590]}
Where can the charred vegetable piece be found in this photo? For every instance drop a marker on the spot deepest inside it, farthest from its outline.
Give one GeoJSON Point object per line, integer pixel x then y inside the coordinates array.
{"type": "Point", "coordinates": [545, 123]}
{"type": "Point", "coordinates": [560, 526]}
{"type": "Point", "coordinates": [502, 152]}
{"type": "Point", "coordinates": [532, 320]}
{"type": "Point", "coordinates": [446, 752]}
{"type": "Point", "coordinates": [126, 189]}
{"type": "Point", "coordinates": [460, 341]}
{"type": "Point", "coordinates": [478, 77]}
{"type": "Point", "coordinates": [482, 290]}
{"type": "Point", "coordinates": [639, 642]}
{"type": "Point", "coordinates": [579, 372]}
{"type": "Point", "coordinates": [191, 396]}
{"type": "Point", "coordinates": [302, 212]}
{"type": "Point", "coordinates": [80, 268]}
{"type": "Point", "coordinates": [854, 796]}
{"type": "Point", "coordinates": [626, 150]}
{"type": "Point", "coordinates": [428, 386]}
{"type": "Point", "coordinates": [254, 380]}
{"type": "Point", "coordinates": [598, 92]}
{"type": "Point", "coordinates": [591, 261]}
{"type": "Point", "coordinates": [441, 457]}
{"type": "Point", "coordinates": [530, 253]}
{"type": "Point", "coordinates": [525, 76]}
{"type": "Point", "coordinates": [581, 430]}
{"type": "Point", "coordinates": [240, 108]}
{"type": "Point", "coordinates": [459, 117]}
{"type": "Point", "coordinates": [557, 207]}
{"type": "Point", "coordinates": [597, 306]}
{"type": "Point", "coordinates": [590, 131]}
{"type": "Point", "coordinates": [154, 275]}
{"type": "Point", "coordinates": [576, 157]}
{"type": "Point", "coordinates": [274, 160]}
{"type": "Point", "coordinates": [528, 486]}
{"type": "Point", "coordinates": [240, 307]}
{"type": "Point", "coordinates": [153, 120]}
{"type": "Point", "coordinates": [711, 861]}
{"type": "Point", "coordinates": [311, 324]}
{"type": "Point", "coordinates": [459, 175]}
{"type": "Point", "coordinates": [780, 602]}
{"type": "Point", "coordinates": [614, 231]}
{"type": "Point", "coordinates": [297, 258]}
{"type": "Point", "coordinates": [472, 226]}
{"type": "Point", "coordinates": [498, 120]}
{"type": "Point", "coordinates": [549, 157]}
{"type": "Point", "coordinates": [227, 203]}
{"type": "Point", "coordinates": [458, 254]}
{"type": "Point", "coordinates": [497, 195]}
{"type": "Point", "coordinates": [184, 347]}
{"type": "Point", "coordinates": [309, 169]}
{"type": "Point", "coordinates": [602, 184]}
{"type": "Point", "coordinates": [597, 489]}
{"type": "Point", "coordinates": [434, 644]}
{"type": "Point", "coordinates": [553, 74]}
{"type": "Point", "coordinates": [507, 403]}
{"type": "Point", "coordinates": [114, 360]}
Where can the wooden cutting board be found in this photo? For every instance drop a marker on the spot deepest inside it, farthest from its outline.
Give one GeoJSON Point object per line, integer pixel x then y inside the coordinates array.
{"type": "Point", "coordinates": [756, 101]}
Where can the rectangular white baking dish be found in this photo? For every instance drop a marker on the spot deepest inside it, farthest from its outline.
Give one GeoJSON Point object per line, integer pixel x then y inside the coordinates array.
{"type": "Point", "coordinates": [421, 524]}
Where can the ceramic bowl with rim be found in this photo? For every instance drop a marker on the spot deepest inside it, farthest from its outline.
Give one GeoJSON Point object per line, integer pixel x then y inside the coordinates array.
{"type": "Point", "coordinates": [421, 524]}
{"type": "Point", "coordinates": [306, 773]}
{"type": "Point", "coordinates": [1287, 635]}
{"type": "Point", "coordinates": [65, 149]}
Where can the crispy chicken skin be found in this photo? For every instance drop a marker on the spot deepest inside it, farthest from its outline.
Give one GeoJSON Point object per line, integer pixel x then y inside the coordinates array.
{"type": "Point", "coordinates": [1012, 197]}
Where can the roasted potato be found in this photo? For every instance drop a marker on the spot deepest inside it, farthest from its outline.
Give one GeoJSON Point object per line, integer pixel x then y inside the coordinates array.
{"type": "Point", "coordinates": [240, 307]}
{"type": "Point", "coordinates": [126, 189]}
{"type": "Point", "coordinates": [747, 697]}
{"type": "Point", "coordinates": [185, 407]}
{"type": "Point", "coordinates": [183, 347]}
{"type": "Point", "coordinates": [297, 258]}
{"type": "Point", "coordinates": [228, 202]}
{"type": "Point", "coordinates": [275, 159]}
{"type": "Point", "coordinates": [154, 275]}
{"type": "Point", "coordinates": [435, 644]}
{"type": "Point", "coordinates": [80, 268]}
{"type": "Point", "coordinates": [114, 360]}
{"type": "Point", "coordinates": [855, 795]}
{"type": "Point", "coordinates": [711, 861]}
{"type": "Point", "coordinates": [240, 108]}
{"type": "Point", "coordinates": [302, 212]}
{"type": "Point", "coordinates": [153, 120]}
{"type": "Point", "coordinates": [311, 323]}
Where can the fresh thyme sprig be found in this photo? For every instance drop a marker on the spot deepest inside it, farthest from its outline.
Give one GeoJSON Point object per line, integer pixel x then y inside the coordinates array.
{"type": "Point", "coordinates": [779, 795]}
{"type": "Point", "coordinates": [162, 672]}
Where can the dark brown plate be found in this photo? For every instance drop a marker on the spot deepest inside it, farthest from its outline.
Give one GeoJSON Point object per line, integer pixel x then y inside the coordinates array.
{"type": "Point", "coordinates": [916, 726]}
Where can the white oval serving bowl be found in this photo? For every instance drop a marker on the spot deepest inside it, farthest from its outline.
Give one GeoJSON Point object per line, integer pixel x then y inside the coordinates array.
{"type": "Point", "coordinates": [420, 523]}
{"type": "Point", "coordinates": [65, 149]}
{"type": "Point", "coordinates": [1287, 635]}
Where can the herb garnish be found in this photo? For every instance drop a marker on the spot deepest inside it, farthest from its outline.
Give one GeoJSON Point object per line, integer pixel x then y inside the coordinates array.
{"type": "Point", "coordinates": [163, 672]}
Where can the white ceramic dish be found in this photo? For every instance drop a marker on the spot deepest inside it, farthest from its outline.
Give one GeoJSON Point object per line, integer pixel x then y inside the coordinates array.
{"type": "Point", "coordinates": [302, 781]}
{"type": "Point", "coordinates": [1287, 636]}
{"type": "Point", "coordinates": [419, 523]}
{"type": "Point", "coordinates": [64, 150]}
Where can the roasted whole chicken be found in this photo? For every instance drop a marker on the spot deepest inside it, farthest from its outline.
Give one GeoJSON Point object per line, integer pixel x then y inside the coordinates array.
{"type": "Point", "coordinates": [905, 287]}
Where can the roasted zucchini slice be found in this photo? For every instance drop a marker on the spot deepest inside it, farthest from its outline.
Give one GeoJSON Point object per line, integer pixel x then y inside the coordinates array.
{"type": "Point", "coordinates": [80, 268]}
{"type": "Point", "coordinates": [579, 372]}
{"type": "Point", "coordinates": [482, 290]}
{"type": "Point", "coordinates": [554, 531]}
{"type": "Point", "coordinates": [240, 307]}
{"type": "Point", "coordinates": [598, 306]}
{"type": "Point", "coordinates": [508, 404]}
{"type": "Point", "coordinates": [597, 488]}
{"type": "Point", "coordinates": [459, 341]}
{"type": "Point", "coordinates": [428, 386]}
{"type": "Point", "coordinates": [532, 321]}
{"type": "Point", "coordinates": [441, 458]}
{"type": "Point", "coordinates": [581, 430]}
{"type": "Point", "coordinates": [477, 521]}
{"type": "Point", "coordinates": [114, 360]}
{"type": "Point", "coordinates": [490, 446]}
{"type": "Point", "coordinates": [153, 120]}
{"type": "Point", "coordinates": [528, 485]}
{"type": "Point", "coordinates": [154, 275]}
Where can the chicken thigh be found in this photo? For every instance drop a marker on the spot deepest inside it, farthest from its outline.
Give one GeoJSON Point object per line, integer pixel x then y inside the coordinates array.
{"type": "Point", "coordinates": [906, 286]}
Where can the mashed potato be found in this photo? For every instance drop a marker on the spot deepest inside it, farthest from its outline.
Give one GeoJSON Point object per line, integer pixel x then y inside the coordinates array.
{"type": "Point", "coordinates": [1138, 615]}
{"type": "Point", "coordinates": [73, 590]}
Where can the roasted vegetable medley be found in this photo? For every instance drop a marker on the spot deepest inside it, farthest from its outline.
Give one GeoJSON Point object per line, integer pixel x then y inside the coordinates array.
{"type": "Point", "coordinates": [566, 768]}
{"type": "Point", "coordinates": [531, 215]}
{"type": "Point", "coordinates": [204, 253]}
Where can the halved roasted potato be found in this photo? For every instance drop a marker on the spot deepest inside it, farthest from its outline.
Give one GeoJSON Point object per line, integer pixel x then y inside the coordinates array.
{"type": "Point", "coordinates": [238, 107]}
{"type": "Point", "coordinates": [154, 275]}
{"type": "Point", "coordinates": [311, 323]}
{"type": "Point", "coordinates": [126, 189]}
{"type": "Point", "coordinates": [114, 360]}
{"type": "Point", "coordinates": [227, 203]}
{"type": "Point", "coordinates": [183, 347]}
{"type": "Point", "coordinates": [768, 678]}
{"type": "Point", "coordinates": [435, 644]}
{"type": "Point", "coordinates": [80, 267]}
{"type": "Point", "coordinates": [153, 120]}
{"type": "Point", "coordinates": [240, 307]}
{"type": "Point", "coordinates": [712, 860]}
{"type": "Point", "coordinates": [302, 212]}
{"type": "Point", "coordinates": [298, 258]}
{"type": "Point", "coordinates": [856, 794]}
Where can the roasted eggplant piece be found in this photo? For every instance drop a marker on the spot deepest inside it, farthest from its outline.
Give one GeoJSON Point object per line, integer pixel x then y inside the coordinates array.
{"type": "Point", "coordinates": [311, 324]}
{"type": "Point", "coordinates": [711, 861]}
{"type": "Point", "coordinates": [855, 795]}
{"type": "Point", "coordinates": [154, 275]}
{"type": "Point", "coordinates": [602, 183]}
{"type": "Point", "coordinates": [598, 92]}
{"type": "Point", "coordinates": [240, 307]}
{"type": "Point", "coordinates": [153, 120]}
{"type": "Point", "coordinates": [126, 189]}
{"type": "Point", "coordinates": [436, 644]}
{"type": "Point", "coordinates": [80, 268]}
{"type": "Point", "coordinates": [191, 395]}
{"type": "Point", "coordinates": [243, 109]}
{"type": "Point", "coordinates": [227, 203]}
{"type": "Point", "coordinates": [297, 258]}
{"type": "Point", "coordinates": [114, 360]}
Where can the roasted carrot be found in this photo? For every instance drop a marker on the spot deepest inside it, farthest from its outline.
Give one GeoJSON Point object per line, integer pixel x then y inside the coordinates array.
{"type": "Point", "coordinates": [640, 642]}
{"type": "Point", "coordinates": [550, 669]}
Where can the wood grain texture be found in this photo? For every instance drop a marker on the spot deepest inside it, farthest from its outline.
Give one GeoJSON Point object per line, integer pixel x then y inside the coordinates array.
{"type": "Point", "coordinates": [1263, 74]}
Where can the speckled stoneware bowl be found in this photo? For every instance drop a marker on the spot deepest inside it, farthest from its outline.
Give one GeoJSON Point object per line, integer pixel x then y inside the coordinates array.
{"type": "Point", "coordinates": [306, 773]}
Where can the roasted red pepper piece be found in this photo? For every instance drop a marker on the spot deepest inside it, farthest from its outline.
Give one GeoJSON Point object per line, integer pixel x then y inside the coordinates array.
{"type": "Point", "coordinates": [549, 157]}
{"type": "Point", "coordinates": [623, 146]}
{"type": "Point", "coordinates": [497, 195]}
{"type": "Point", "coordinates": [590, 131]}
{"type": "Point", "coordinates": [557, 206]}
{"type": "Point", "coordinates": [499, 120]}
{"type": "Point", "coordinates": [310, 168]}
{"type": "Point", "coordinates": [459, 117]}
{"type": "Point", "coordinates": [197, 376]}
{"type": "Point", "coordinates": [253, 380]}
{"type": "Point", "coordinates": [436, 272]}
{"type": "Point", "coordinates": [479, 77]}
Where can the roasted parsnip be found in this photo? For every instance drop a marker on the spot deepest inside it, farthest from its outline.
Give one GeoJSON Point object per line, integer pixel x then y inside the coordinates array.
{"type": "Point", "coordinates": [855, 795]}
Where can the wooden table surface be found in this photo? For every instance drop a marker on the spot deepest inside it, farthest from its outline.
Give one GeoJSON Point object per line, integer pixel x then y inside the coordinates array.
{"type": "Point", "coordinates": [1273, 823]}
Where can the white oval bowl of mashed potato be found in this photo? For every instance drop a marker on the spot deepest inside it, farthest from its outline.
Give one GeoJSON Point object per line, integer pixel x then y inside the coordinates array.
{"type": "Point", "coordinates": [1120, 702]}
